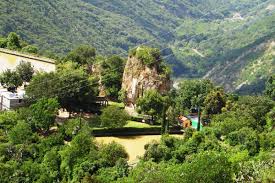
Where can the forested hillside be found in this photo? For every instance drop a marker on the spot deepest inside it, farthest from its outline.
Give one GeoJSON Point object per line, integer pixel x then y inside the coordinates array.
{"type": "Point", "coordinates": [194, 35]}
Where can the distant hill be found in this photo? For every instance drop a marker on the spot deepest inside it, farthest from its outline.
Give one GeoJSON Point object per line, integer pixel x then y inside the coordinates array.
{"type": "Point", "coordinates": [195, 35]}
{"type": "Point", "coordinates": [247, 72]}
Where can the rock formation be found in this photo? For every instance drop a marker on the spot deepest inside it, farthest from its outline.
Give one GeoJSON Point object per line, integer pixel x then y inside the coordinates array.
{"type": "Point", "coordinates": [140, 75]}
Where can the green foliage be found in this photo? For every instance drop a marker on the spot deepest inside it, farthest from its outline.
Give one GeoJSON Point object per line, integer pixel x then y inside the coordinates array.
{"type": "Point", "coordinates": [51, 166]}
{"type": "Point", "coordinates": [83, 55]}
{"type": "Point", "coordinates": [8, 119]}
{"type": "Point", "coordinates": [217, 166]}
{"type": "Point", "coordinates": [270, 87]}
{"type": "Point", "coordinates": [270, 122]}
{"type": "Point", "coordinates": [214, 102]}
{"type": "Point", "coordinates": [256, 171]}
{"type": "Point", "coordinates": [112, 174]}
{"type": "Point", "coordinates": [111, 153]}
{"type": "Point", "coordinates": [257, 107]}
{"type": "Point", "coordinates": [13, 41]}
{"type": "Point", "coordinates": [206, 27]}
{"type": "Point", "coordinates": [72, 86]}
{"type": "Point", "coordinates": [151, 103]}
{"type": "Point", "coordinates": [74, 155]}
{"type": "Point", "coordinates": [247, 138]}
{"type": "Point", "coordinates": [21, 133]}
{"type": "Point", "coordinates": [25, 71]}
{"type": "Point", "coordinates": [111, 76]}
{"type": "Point", "coordinates": [113, 117]}
{"type": "Point", "coordinates": [192, 93]}
{"type": "Point", "coordinates": [149, 56]}
{"type": "Point", "coordinates": [3, 42]}
{"type": "Point", "coordinates": [30, 49]}
{"type": "Point", "coordinates": [10, 79]}
{"type": "Point", "coordinates": [230, 121]}
{"type": "Point", "coordinates": [44, 112]}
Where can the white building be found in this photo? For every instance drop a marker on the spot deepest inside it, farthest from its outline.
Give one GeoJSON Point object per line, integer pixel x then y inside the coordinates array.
{"type": "Point", "coordinates": [9, 100]}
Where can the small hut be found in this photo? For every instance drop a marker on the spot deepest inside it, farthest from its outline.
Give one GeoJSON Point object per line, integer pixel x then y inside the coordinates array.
{"type": "Point", "coordinates": [186, 122]}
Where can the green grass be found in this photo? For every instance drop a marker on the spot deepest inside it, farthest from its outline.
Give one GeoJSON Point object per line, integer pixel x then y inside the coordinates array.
{"type": "Point", "coordinates": [134, 124]}
{"type": "Point", "coordinates": [117, 104]}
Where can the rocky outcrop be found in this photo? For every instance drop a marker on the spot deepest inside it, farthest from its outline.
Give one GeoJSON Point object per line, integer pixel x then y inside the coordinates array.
{"type": "Point", "coordinates": [139, 77]}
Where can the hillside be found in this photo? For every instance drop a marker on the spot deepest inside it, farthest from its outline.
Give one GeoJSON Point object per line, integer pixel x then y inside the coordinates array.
{"type": "Point", "coordinates": [251, 68]}
{"type": "Point", "coordinates": [194, 35]}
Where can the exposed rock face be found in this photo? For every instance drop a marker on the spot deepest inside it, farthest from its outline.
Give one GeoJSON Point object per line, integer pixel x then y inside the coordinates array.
{"type": "Point", "coordinates": [138, 78]}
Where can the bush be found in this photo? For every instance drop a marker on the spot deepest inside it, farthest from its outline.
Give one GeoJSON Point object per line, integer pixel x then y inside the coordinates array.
{"type": "Point", "coordinates": [147, 55]}
{"type": "Point", "coordinates": [113, 117]}
{"type": "Point", "coordinates": [112, 152]}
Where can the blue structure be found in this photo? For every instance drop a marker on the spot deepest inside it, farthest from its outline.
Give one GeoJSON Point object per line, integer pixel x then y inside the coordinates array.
{"type": "Point", "coordinates": [194, 120]}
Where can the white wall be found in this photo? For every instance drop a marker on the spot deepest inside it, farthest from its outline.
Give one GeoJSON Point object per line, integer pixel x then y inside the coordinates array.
{"type": "Point", "coordinates": [10, 59]}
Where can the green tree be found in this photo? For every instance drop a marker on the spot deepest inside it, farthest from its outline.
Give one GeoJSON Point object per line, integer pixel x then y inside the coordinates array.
{"type": "Point", "coordinates": [3, 42]}
{"type": "Point", "coordinates": [44, 113]}
{"type": "Point", "coordinates": [77, 90]}
{"type": "Point", "coordinates": [8, 119]}
{"type": "Point", "coordinates": [151, 103]}
{"type": "Point", "coordinates": [21, 133]}
{"type": "Point", "coordinates": [83, 55]}
{"type": "Point", "coordinates": [192, 93]}
{"type": "Point", "coordinates": [51, 166]}
{"type": "Point", "coordinates": [73, 87]}
{"type": "Point", "coordinates": [257, 107]}
{"type": "Point", "coordinates": [214, 102]}
{"type": "Point", "coordinates": [11, 80]}
{"type": "Point", "coordinates": [231, 121]}
{"type": "Point", "coordinates": [120, 170]}
{"type": "Point", "coordinates": [113, 117]}
{"type": "Point", "coordinates": [25, 71]}
{"type": "Point", "coordinates": [218, 168]}
{"type": "Point", "coordinates": [77, 159]}
{"type": "Point", "coordinates": [147, 55]}
{"type": "Point", "coordinates": [30, 49]}
{"type": "Point", "coordinates": [247, 138]}
{"type": "Point", "coordinates": [112, 152]}
{"type": "Point", "coordinates": [112, 72]}
{"type": "Point", "coordinates": [13, 41]}
{"type": "Point", "coordinates": [43, 85]}
{"type": "Point", "coordinates": [270, 87]}
{"type": "Point", "coordinates": [157, 152]}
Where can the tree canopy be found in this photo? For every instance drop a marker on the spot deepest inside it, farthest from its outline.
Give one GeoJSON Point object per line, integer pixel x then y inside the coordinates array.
{"type": "Point", "coordinates": [112, 72]}
{"type": "Point", "coordinates": [25, 71]}
{"type": "Point", "coordinates": [72, 86]}
{"type": "Point", "coordinates": [11, 80]}
{"type": "Point", "coordinates": [113, 117]}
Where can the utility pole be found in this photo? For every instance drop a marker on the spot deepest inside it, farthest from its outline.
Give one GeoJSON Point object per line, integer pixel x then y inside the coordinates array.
{"type": "Point", "coordinates": [199, 119]}
{"type": "Point", "coordinates": [81, 114]}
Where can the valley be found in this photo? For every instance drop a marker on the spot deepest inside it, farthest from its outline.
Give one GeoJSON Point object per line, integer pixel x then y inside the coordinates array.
{"type": "Point", "coordinates": [195, 37]}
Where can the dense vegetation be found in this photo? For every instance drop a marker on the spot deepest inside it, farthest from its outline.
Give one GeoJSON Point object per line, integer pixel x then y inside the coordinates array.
{"type": "Point", "coordinates": [237, 141]}
{"type": "Point", "coordinates": [14, 42]}
{"type": "Point", "coordinates": [195, 35]}
{"type": "Point", "coordinates": [13, 79]}
{"type": "Point", "coordinates": [34, 147]}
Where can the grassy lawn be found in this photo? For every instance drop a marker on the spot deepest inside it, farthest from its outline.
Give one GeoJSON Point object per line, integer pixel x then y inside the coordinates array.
{"type": "Point", "coordinates": [117, 104]}
{"type": "Point", "coordinates": [134, 124]}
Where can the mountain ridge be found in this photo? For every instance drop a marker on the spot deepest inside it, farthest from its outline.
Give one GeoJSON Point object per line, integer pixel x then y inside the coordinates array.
{"type": "Point", "coordinates": [114, 27]}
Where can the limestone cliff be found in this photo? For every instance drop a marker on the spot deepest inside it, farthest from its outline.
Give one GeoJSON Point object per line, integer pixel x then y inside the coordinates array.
{"type": "Point", "coordinates": [139, 76]}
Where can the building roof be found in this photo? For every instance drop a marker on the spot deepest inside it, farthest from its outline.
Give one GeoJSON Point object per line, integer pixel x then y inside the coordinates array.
{"type": "Point", "coordinates": [10, 95]}
{"type": "Point", "coordinates": [29, 56]}
{"type": "Point", "coordinates": [183, 118]}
